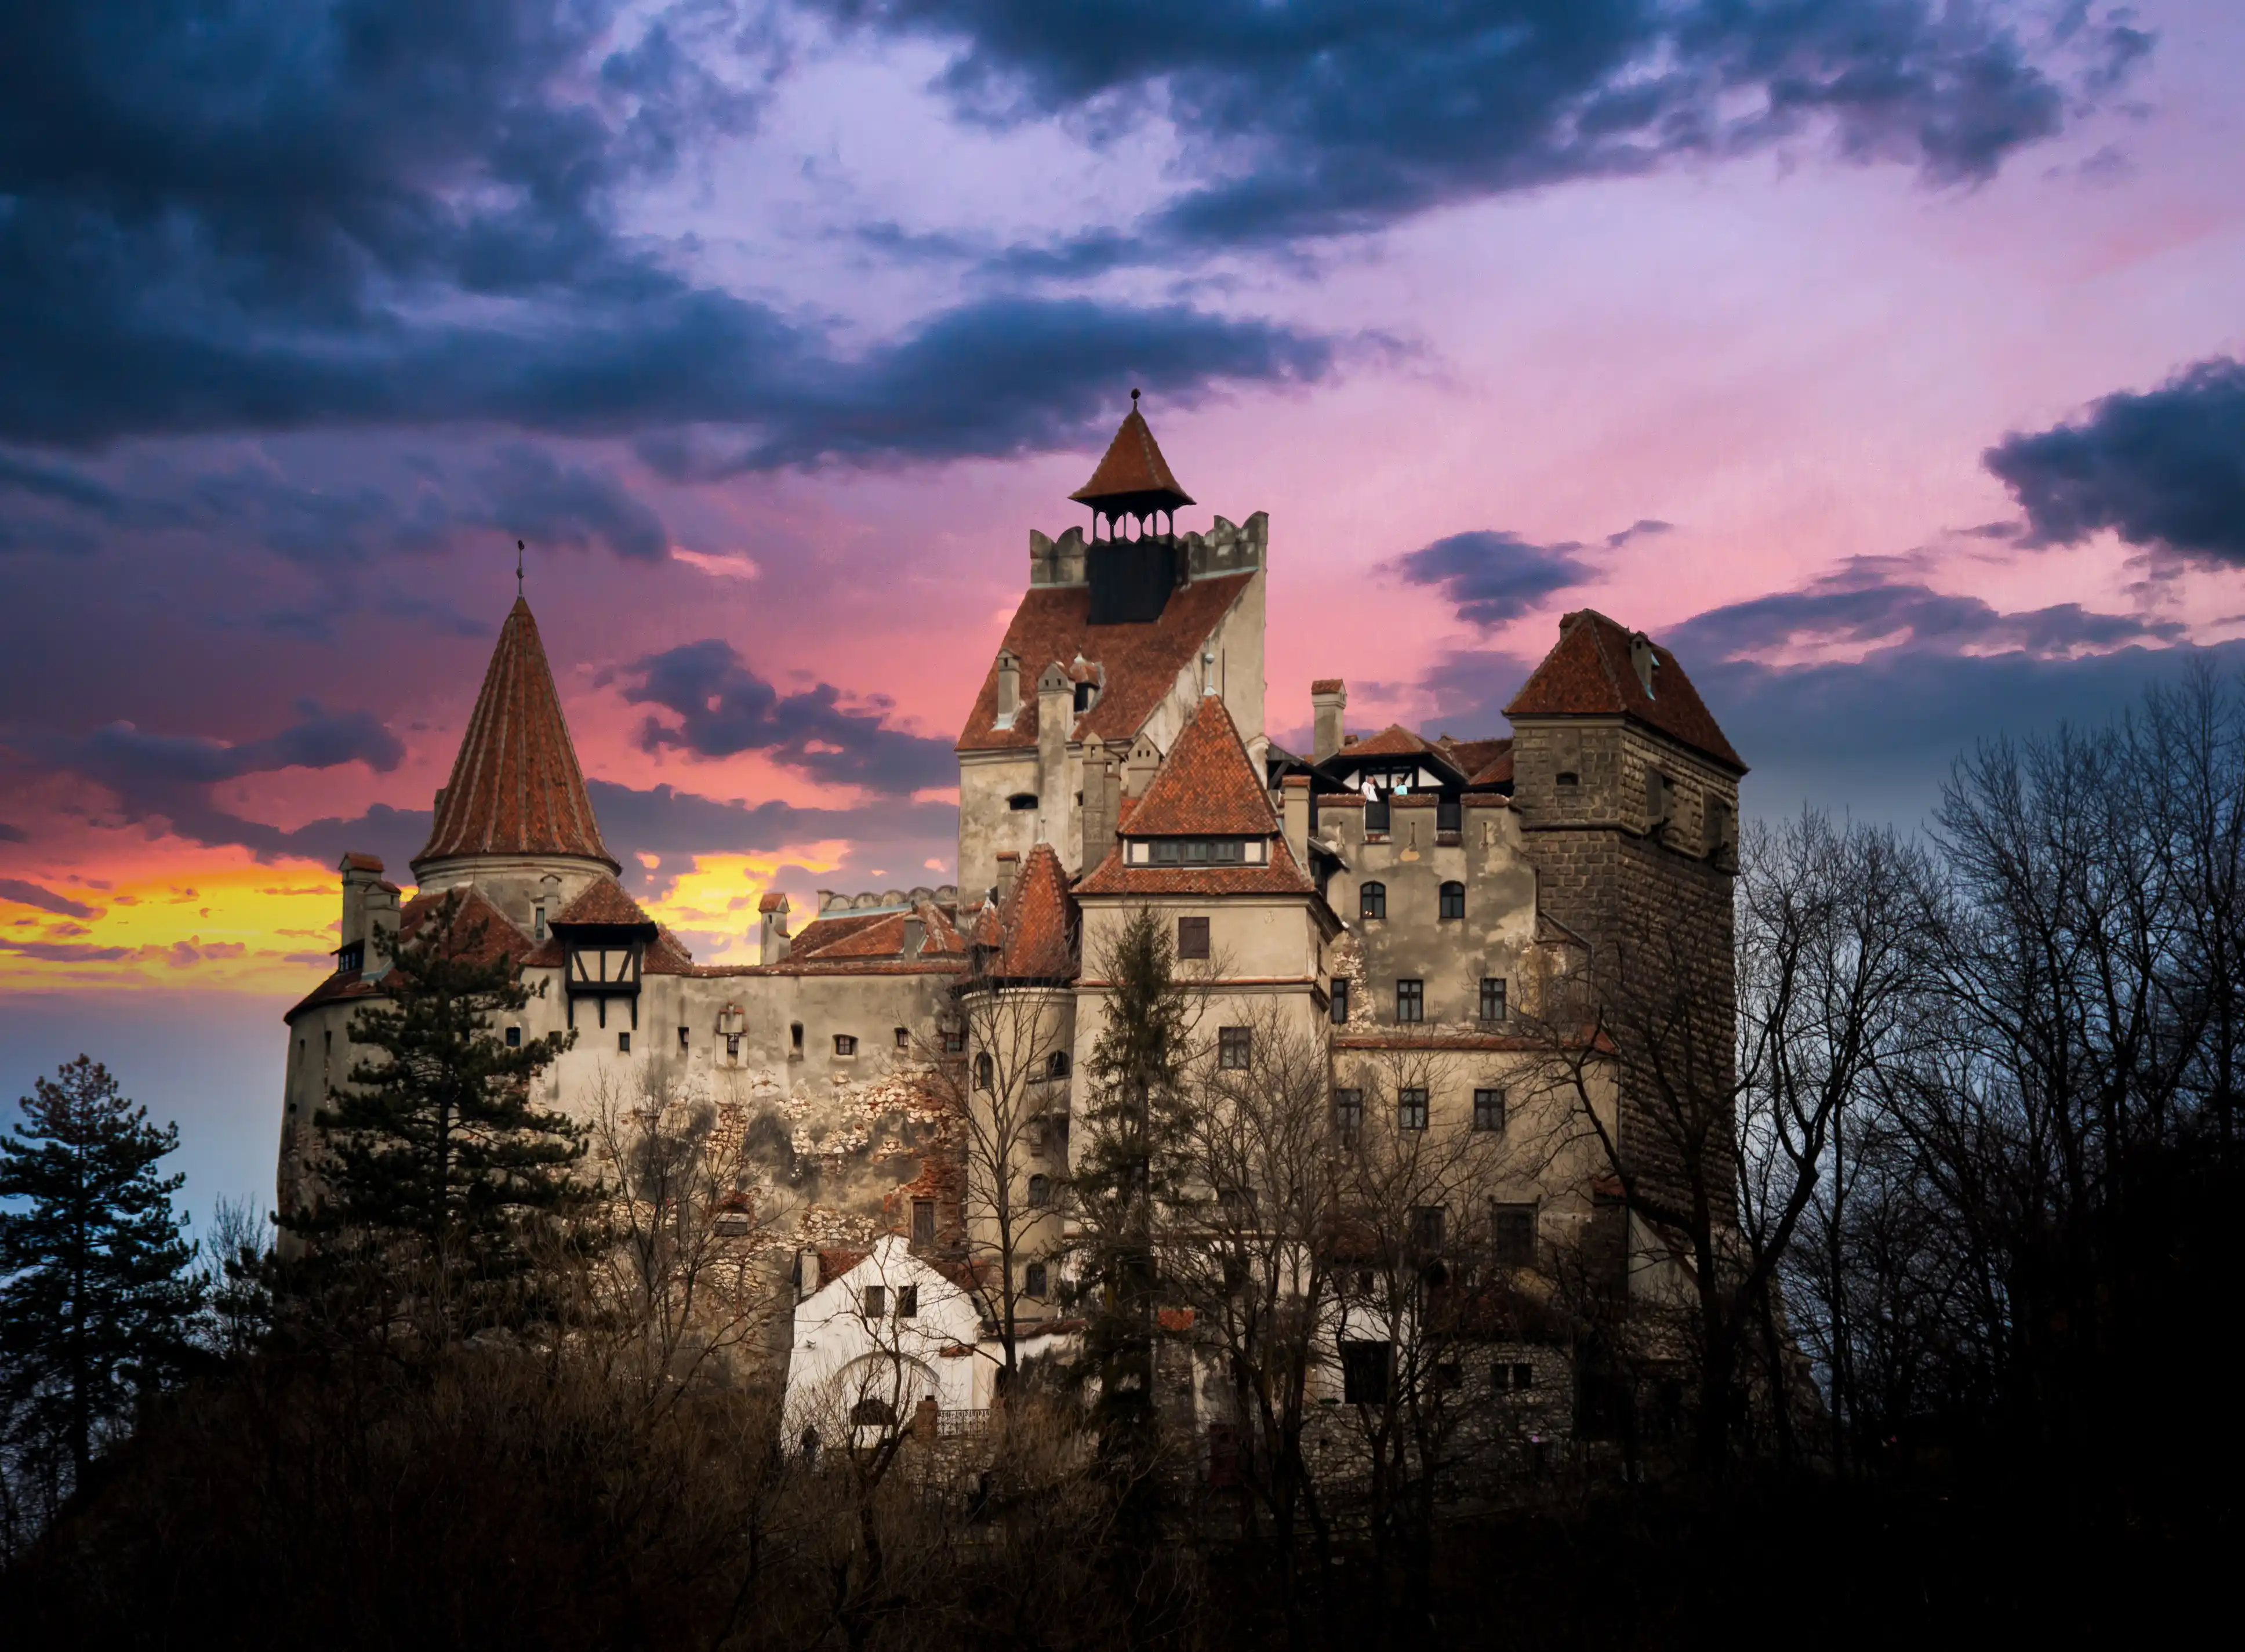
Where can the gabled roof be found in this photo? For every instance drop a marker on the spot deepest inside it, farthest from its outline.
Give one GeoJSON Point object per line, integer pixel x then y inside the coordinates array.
{"type": "Point", "coordinates": [1206, 787]}
{"type": "Point", "coordinates": [1589, 674]}
{"type": "Point", "coordinates": [489, 932]}
{"type": "Point", "coordinates": [604, 902]}
{"type": "Point", "coordinates": [1037, 923]}
{"type": "Point", "coordinates": [1133, 476]}
{"type": "Point", "coordinates": [874, 936]}
{"type": "Point", "coordinates": [1394, 741]}
{"type": "Point", "coordinates": [1473, 756]}
{"type": "Point", "coordinates": [1142, 659]}
{"type": "Point", "coordinates": [516, 788]}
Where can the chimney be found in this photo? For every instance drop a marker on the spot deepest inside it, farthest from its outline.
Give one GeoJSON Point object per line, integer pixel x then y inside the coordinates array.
{"type": "Point", "coordinates": [915, 935]}
{"type": "Point", "coordinates": [1295, 817]}
{"type": "Point", "coordinates": [1055, 722]}
{"type": "Point", "coordinates": [361, 873]}
{"type": "Point", "coordinates": [1328, 699]}
{"type": "Point", "coordinates": [1009, 689]}
{"type": "Point", "coordinates": [772, 942]}
{"type": "Point", "coordinates": [806, 1272]}
{"type": "Point", "coordinates": [1138, 774]}
{"type": "Point", "coordinates": [1102, 801]}
{"type": "Point", "coordinates": [381, 928]}
{"type": "Point", "coordinates": [1009, 862]}
{"type": "Point", "coordinates": [1644, 663]}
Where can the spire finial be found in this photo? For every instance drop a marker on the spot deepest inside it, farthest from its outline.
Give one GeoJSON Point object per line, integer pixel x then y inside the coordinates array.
{"type": "Point", "coordinates": [517, 570]}
{"type": "Point", "coordinates": [1134, 398]}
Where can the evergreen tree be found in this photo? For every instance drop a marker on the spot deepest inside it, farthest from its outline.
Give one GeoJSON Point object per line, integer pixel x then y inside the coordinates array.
{"type": "Point", "coordinates": [437, 1168]}
{"type": "Point", "coordinates": [1135, 1071]}
{"type": "Point", "coordinates": [96, 1308]}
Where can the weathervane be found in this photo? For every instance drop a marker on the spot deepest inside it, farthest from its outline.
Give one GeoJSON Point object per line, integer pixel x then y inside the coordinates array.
{"type": "Point", "coordinates": [518, 569]}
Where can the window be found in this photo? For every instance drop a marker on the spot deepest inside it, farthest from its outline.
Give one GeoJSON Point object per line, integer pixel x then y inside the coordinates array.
{"type": "Point", "coordinates": [1365, 1370]}
{"type": "Point", "coordinates": [1512, 1234]}
{"type": "Point", "coordinates": [877, 1301]}
{"type": "Point", "coordinates": [904, 1038]}
{"type": "Point", "coordinates": [794, 1036]}
{"type": "Point", "coordinates": [623, 1043]}
{"type": "Point", "coordinates": [1569, 779]}
{"type": "Point", "coordinates": [1039, 1192]}
{"type": "Point", "coordinates": [686, 1037]}
{"type": "Point", "coordinates": [1348, 1112]}
{"type": "Point", "coordinates": [923, 1223]}
{"type": "Point", "coordinates": [1488, 1109]}
{"type": "Point", "coordinates": [1655, 798]}
{"type": "Point", "coordinates": [1410, 1000]}
{"type": "Point", "coordinates": [908, 1301]}
{"type": "Point", "coordinates": [1718, 825]}
{"type": "Point", "coordinates": [1201, 852]}
{"type": "Point", "coordinates": [1512, 1376]}
{"type": "Point", "coordinates": [1192, 937]}
{"type": "Point", "coordinates": [986, 1072]}
{"type": "Point", "coordinates": [1082, 697]}
{"type": "Point", "coordinates": [1056, 1065]}
{"type": "Point", "coordinates": [1411, 1108]}
{"type": "Point", "coordinates": [1021, 802]}
{"type": "Point", "coordinates": [845, 1043]}
{"type": "Point", "coordinates": [1449, 1376]}
{"type": "Point", "coordinates": [1371, 901]}
{"type": "Point", "coordinates": [732, 1046]}
{"type": "Point", "coordinates": [1427, 1229]}
{"type": "Point", "coordinates": [1454, 901]}
{"type": "Point", "coordinates": [866, 1413]}
{"type": "Point", "coordinates": [538, 924]}
{"type": "Point", "coordinates": [1492, 998]}
{"type": "Point", "coordinates": [514, 1038]}
{"type": "Point", "coordinates": [1233, 1045]}
{"type": "Point", "coordinates": [1033, 1280]}
{"type": "Point", "coordinates": [1340, 1003]}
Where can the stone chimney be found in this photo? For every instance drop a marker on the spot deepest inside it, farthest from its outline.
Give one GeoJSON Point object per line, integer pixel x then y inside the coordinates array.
{"type": "Point", "coordinates": [1644, 663]}
{"type": "Point", "coordinates": [382, 919]}
{"type": "Point", "coordinates": [915, 935]}
{"type": "Point", "coordinates": [1102, 800]}
{"type": "Point", "coordinates": [1055, 722]}
{"type": "Point", "coordinates": [1009, 689]}
{"type": "Point", "coordinates": [1144, 763]}
{"type": "Point", "coordinates": [361, 873]}
{"type": "Point", "coordinates": [772, 942]}
{"type": "Point", "coordinates": [1328, 699]}
{"type": "Point", "coordinates": [1009, 862]}
{"type": "Point", "coordinates": [1294, 817]}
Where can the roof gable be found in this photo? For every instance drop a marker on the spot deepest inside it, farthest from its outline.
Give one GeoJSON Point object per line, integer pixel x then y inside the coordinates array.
{"type": "Point", "coordinates": [1207, 787]}
{"type": "Point", "coordinates": [1589, 673]}
{"type": "Point", "coordinates": [516, 786]}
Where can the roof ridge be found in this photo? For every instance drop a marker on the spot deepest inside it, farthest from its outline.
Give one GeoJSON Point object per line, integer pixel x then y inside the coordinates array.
{"type": "Point", "coordinates": [1206, 785]}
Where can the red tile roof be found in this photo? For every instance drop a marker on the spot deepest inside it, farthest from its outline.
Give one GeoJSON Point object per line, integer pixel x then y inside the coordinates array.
{"type": "Point", "coordinates": [516, 788]}
{"type": "Point", "coordinates": [1474, 756]}
{"type": "Point", "coordinates": [1141, 660]}
{"type": "Point", "coordinates": [1589, 674]}
{"type": "Point", "coordinates": [1133, 472]}
{"type": "Point", "coordinates": [1394, 741]}
{"type": "Point", "coordinates": [1115, 875]}
{"type": "Point", "coordinates": [1498, 772]}
{"type": "Point", "coordinates": [487, 931]}
{"type": "Point", "coordinates": [1327, 685]}
{"type": "Point", "coordinates": [1038, 923]}
{"type": "Point", "coordinates": [875, 934]}
{"type": "Point", "coordinates": [1207, 785]}
{"type": "Point", "coordinates": [353, 861]}
{"type": "Point", "coordinates": [773, 901]}
{"type": "Point", "coordinates": [604, 902]}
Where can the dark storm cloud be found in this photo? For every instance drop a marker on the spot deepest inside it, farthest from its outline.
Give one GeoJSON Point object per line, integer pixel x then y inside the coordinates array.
{"type": "Point", "coordinates": [273, 217]}
{"type": "Point", "coordinates": [724, 709]}
{"type": "Point", "coordinates": [1496, 577]}
{"type": "Point", "coordinates": [31, 894]}
{"type": "Point", "coordinates": [2161, 468]}
{"type": "Point", "coordinates": [1333, 116]}
{"type": "Point", "coordinates": [1859, 603]}
{"type": "Point", "coordinates": [663, 821]}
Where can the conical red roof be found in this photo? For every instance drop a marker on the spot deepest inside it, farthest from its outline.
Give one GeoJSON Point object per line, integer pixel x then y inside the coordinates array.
{"type": "Point", "coordinates": [516, 788]}
{"type": "Point", "coordinates": [1133, 476]}
{"type": "Point", "coordinates": [1036, 923]}
{"type": "Point", "coordinates": [1207, 785]}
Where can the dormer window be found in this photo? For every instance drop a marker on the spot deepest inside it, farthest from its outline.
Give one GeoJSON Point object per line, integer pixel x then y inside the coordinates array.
{"type": "Point", "coordinates": [1204, 852]}
{"type": "Point", "coordinates": [1085, 694]}
{"type": "Point", "coordinates": [352, 957]}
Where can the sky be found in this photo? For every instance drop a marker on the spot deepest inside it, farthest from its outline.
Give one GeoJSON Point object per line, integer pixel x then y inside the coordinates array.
{"type": "Point", "coordinates": [1881, 359]}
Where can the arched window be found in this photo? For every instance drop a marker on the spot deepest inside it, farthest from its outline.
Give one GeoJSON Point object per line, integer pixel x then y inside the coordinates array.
{"type": "Point", "coordinates": [1454, 901]}
{"type": "Point", "coordinates": [1373, 902]}
{"type": "Point", "coordinates": [1056, 1065]}
{"type": "Point", "coordinates": [986, 1072]}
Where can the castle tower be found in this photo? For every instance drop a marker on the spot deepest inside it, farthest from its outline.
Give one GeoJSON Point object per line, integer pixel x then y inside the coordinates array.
{"type": "Point", "coordinates": [1115, 641]}
{"type": "Point", "coordinates": [515, 819]}
{"type": "Point", "coordinates": [1627, 794]}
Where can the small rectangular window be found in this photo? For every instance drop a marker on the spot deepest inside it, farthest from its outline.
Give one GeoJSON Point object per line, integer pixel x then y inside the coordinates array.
{"type": "Point", "coordinates": [1512, 1234]}
{"type": "Point", "coordinates": [1488, 1109]}
{"type": "Point", "coordinates": [514, 1038]}
{"type": "Point", "coordinates": [954, 1042]}
{"type": "Point", "coordinates": [1492, 998]}
{"type": "Point", "coordinates": [1410, 1000]}
{"type": "Point", "coordinates": [1233, 1047]}
{"type": "Point", "coordinates": [1228, 849]}
{"type": "Point", "coordinates": [1524, 1375]}
{"type": "Point", "coordinates": [1718, 828]}
{"type": "Point", "coordinates": [845, 1044]}
{"type": "Point", "coordinates": [794, 1036]}
{"type": "Point", "coordinates": [1411, 1108]}
{"type": "Point", "coordinates": [1348, 1112]}
{"type": "Point", "coordinates": [1196, 849]}
{"type": "Point", "coordinates": [1192, 937]}
{"type": "Point", "coordinates": [1427, 1229]}
{"type": "Point", "coordinates": [923, 1223]}
{"type": "Point", "coordinates": [904, 1038]}
{"type": "Point", "coordinates": [1039, 1192]}
{"type": "Point", "coordinates": [908, 1301]}
{"type": "Point", "coordinates": [538, 926]}
{"type": "Point", "coordinates": [1365, 1371]}
{"type": "Point", "coordinates": [1340, 1003]}
{"type": "Point", "coordinates": [1449, 1376]}
{"type": "Point", "coordinates": [1033, 1279]}
{"type": "Point", "coordinates": [686, 1037]}
{"type": "Point", "coordinates": [1656, 797]}
{"type": "Point", "coordinates": [1371, 901]}
{"type": "Point", "coordinates": [1454, 901]}
{"type": "Point", "coordinates": [1167, 852]}
{"type": "Point", "coordinates": [877, 1301]}
{"type": "Point", "coordinates": [623, 1043]}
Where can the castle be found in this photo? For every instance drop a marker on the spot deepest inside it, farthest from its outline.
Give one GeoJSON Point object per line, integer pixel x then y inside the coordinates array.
{"type": "Point", "coordinates": [1377, 893]}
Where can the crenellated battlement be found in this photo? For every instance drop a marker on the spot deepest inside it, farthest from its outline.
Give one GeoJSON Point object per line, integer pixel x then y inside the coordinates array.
{"type": "Point", "coordinates": [1227, 548]}
{"type": "Point", "coordinates": [831, 903]}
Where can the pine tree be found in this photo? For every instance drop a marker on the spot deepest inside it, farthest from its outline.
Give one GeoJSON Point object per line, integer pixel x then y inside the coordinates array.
{"type": "Point", "coordinates": [437, 1166]}
{"type": "Point", "coordinates": [1135, 1071]}
{"type": "Point", "coordinates": [97, 1307]}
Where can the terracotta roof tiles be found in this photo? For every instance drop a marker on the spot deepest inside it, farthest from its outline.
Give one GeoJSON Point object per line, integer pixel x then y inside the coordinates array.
{"type": "Point", "coordinates": [603, 901]}
{"type": "Point", "coordinates": [487, 931]}
{"type": "Point", "coordinates": [516, 787]}
{"type": "Point", "coordinates": [1589, 673]}
{"type": "Point", "coordinates": [1133, 471]}
{"type": "Point", "coordinates": [1207, 786]}
{"type": "Point", "coordinates": [1281, 875]}
{"type": "Point", "coordinates": [1037, 923]}
{"type": "Point", "coordinates": [1394, 741]}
